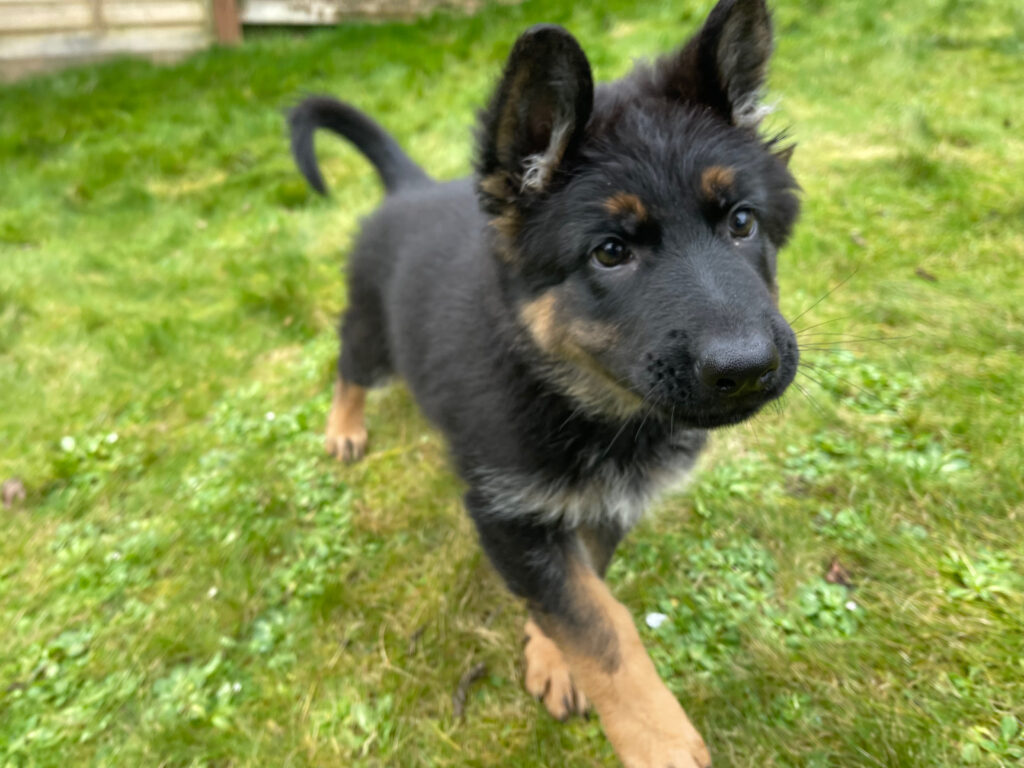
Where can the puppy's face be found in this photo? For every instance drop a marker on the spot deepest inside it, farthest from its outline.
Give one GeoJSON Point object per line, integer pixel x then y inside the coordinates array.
{"type": "Point", "coordinates": [638, 226]}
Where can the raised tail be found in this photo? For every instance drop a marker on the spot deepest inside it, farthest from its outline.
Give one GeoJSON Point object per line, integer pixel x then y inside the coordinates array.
{"type": "Point", "coordinates": [396, 168]}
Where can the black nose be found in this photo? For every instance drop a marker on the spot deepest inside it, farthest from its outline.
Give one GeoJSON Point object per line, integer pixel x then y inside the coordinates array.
{"type": "Point", "coordinates": [735, 368]}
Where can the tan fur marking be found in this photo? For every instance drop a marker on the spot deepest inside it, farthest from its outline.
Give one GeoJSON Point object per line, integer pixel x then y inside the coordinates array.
{"type": "Point", "coordinates": [589, 335]}
{"type": "Point", "coordinates": [506, 223]}
{"type": "Point", "coordinates": [547, 675]}
{"type": "Point", "coordinates": [641, 717]}
{"type": "Point", "coordinates": [716, 181]}
{"type": "Point", "coordinates": [538, 316]}
{"type": "Point", "coordinates": [625, 204]}
{"type": "Point", "coordinates": [346, 434]}
{"type": "Point", "coordinates": [497, 186]}
{"type": "Point", "coordinates": [570, 347]}
{"type": "Point", "coordinates": [594, 384]}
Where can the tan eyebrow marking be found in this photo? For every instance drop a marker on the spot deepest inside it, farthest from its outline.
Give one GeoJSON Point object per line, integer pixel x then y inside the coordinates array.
{"type": "Point", "coordinates": [716, 181]}
{"type": "Point", "coordinates": [624, 203]}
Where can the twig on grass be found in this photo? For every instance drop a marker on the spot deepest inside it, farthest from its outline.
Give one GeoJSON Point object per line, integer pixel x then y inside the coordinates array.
{"type": "Point", "coordinates": [470, 676]}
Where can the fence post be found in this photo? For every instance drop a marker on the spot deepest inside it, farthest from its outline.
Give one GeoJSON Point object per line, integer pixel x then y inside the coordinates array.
{"type": "Point", "coordinates": [226, 23]}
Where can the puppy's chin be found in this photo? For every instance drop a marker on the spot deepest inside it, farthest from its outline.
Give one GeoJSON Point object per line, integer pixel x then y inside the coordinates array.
{"type": "Point", "coordinates": [711, 420]}
{"type": "Point", "coordinates": [710, 416]}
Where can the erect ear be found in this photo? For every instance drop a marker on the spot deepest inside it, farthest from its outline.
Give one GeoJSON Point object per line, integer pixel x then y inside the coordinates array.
{"type": "Point", "coordinates": [724, 65]}
{"type": "Point", "coordinates": [535, 118]}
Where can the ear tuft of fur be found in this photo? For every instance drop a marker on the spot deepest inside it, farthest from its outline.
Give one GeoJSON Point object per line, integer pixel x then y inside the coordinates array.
{"type": "Point", "coordinates": [535, 118]}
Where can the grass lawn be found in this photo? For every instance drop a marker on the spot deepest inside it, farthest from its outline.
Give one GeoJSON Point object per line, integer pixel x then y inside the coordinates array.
{"type": "Point", "coordinates": [191, 582]}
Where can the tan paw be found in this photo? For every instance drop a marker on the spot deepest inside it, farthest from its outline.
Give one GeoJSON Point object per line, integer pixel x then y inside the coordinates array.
{"type": "Point", "coordinates": [347, 447]}
{"type": "Point", "coordinates": [662, 737]}
{"type": "Point", "coordinates": [667, 757]}
{"type": "Point", "coordinates": [687, 755]}
{"type": "Point", "coordinates": [640, 715]}
{"type": "Point", "coordinates": [548, 678]}
{"type": "Point", "coordinates": [346, 427]}
{"type": "Point", "coordinates": [697, 746]}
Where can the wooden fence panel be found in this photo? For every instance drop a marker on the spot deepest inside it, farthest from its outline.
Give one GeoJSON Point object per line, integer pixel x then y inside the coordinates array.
{"type": "Point", "coordinates": [44, 34]}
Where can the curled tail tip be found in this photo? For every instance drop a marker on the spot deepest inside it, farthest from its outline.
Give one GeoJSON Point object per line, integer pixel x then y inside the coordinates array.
{"type": "Point", "coordinates": [395, 168]}
{"type": "Point", "coordinates": [302, 124]}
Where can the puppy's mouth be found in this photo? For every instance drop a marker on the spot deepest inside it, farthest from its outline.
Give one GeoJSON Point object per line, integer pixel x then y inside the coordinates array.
{"type": "Point", "coordinates": [713, 418]}
{"type": "Point", "coordinates": [688, 403]}
{"type": "Point", "coordinates": [709, 416]}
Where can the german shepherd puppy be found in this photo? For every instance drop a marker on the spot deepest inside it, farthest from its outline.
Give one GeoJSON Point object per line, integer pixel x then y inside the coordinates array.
{"type": "Point", "coordinates": [574, 318]}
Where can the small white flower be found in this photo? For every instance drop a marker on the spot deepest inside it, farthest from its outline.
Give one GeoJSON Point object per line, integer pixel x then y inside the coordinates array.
{"type": "Point", "coordinates": [271, 415]}
{"type": "Point", "coordinates": [114, 556]}
{"type": "Point", "coordinates": [236, 687]}
{"type": "Point", "coordinates": [111, 438]}
{"type": "Point", "coordinates": [655, 620]}
{"type": "Point", "coordinates": [851, 606]}
{"type": "Point", "coordinates": [67, 443]}
{"type": "Point", "coordinates": [211, 593]}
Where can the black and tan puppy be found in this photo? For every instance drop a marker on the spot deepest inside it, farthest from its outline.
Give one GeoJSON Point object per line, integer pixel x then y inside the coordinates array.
{"type": "Point", "coordinates": [574, 318]}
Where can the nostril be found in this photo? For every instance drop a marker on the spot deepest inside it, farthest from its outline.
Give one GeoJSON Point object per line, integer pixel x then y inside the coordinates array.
{"type": "Point", "coordinates": [769, 372]}
{"type": "Point", "coordinates": [726, 386]}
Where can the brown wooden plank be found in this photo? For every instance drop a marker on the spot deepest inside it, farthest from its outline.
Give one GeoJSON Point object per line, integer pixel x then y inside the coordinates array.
{"type": "Point", "coordinates": [227, 25]}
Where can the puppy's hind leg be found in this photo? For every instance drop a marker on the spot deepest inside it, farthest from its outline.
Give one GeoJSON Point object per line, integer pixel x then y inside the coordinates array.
{"type": "Point", "coordinates": [363, 362]}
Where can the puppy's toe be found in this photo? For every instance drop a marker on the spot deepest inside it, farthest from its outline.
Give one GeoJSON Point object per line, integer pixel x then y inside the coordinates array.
{"type": "Point", "coordinates": [698, 748]}
{"type": "Point", "coordinates": [345, 436]}
{"type": "Point", "coordinates": [346, 447]}
{"type": "Point", "coordinates": [548, 678]}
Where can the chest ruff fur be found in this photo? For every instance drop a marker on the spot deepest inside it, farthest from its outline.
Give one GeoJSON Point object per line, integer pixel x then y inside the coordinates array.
{"type": "Point", "coordinates": [606, 491]}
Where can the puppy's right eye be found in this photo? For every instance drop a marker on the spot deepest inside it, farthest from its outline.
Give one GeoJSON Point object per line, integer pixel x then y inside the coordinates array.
{"type": "Point", "coordinates": [742, 222]}
{"type": "Point", "coordinates": [611, 253]}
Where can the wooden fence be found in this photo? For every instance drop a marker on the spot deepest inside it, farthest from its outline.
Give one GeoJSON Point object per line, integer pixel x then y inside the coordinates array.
{"type": "Point", "coordinates": [45, 34]}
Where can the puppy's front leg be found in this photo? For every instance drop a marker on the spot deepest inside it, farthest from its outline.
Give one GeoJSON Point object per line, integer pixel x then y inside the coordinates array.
{"type": "Point", "coordinates": [595, 633]}
{"type": "Point", "coordinates": [642, 718]}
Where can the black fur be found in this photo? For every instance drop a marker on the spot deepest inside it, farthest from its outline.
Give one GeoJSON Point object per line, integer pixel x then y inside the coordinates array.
{"type": "Point", "coordinates": [396, 168]}
{"type": "Point", "coordinates": [568, 390]}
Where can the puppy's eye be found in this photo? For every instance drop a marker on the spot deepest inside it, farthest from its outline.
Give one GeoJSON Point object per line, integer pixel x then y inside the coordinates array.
{"type": "Point", "coordinates": [742, 223]}
{"type": "Point", "coordinates": [611, 253]}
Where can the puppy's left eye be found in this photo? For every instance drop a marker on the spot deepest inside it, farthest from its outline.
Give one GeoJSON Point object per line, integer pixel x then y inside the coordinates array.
{"type": "Point", "coordinates": [611, 253]}
{"type": "Point", "coordinates": [742, 223]}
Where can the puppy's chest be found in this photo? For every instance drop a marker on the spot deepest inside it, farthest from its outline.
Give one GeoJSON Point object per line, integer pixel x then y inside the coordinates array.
{"type": "Point", "coordinates": [592, 484]}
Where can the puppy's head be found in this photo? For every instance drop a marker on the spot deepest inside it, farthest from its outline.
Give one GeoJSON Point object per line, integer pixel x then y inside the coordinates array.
{"type": "Point", "coordinates": [637, 226]}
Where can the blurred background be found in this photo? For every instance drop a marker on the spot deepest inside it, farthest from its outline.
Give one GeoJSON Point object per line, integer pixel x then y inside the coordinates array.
{"type": "Point", "coordinates": [185, 578]}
